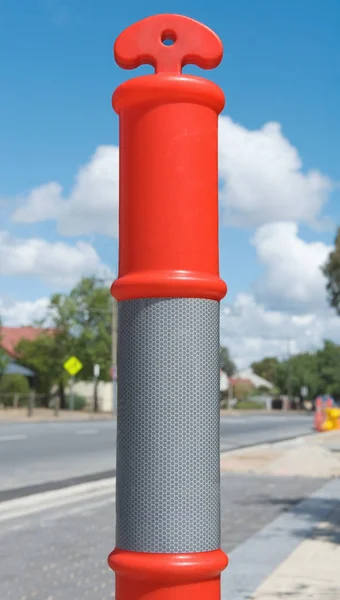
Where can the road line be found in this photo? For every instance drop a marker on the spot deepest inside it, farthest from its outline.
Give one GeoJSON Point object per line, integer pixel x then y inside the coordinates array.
{"type": "Point", "coordinates": [87, 431]}
{"type": "Point", "coordinates": [12, 438]}
{"type": "Point", "coordinates": [13, 509]}
{"type": "Point", "coordinates": [50, 486]}
{"type": "Point", "coordinates": [86, 508]}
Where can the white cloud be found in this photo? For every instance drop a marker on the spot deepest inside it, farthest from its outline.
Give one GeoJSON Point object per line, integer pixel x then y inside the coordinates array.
{"type": "Point", "coordinates": [260, 171]}
{"type": "Point", "coordinates": [18, 313]}
{"type": "Point", "coordinates": [293, 279]}
{"type": "Point", "coordinates": [43, 203]}
{"type": "Point", "coordinates": [287, 311]}
{"type": "Point", "coordinates": [57, 263]}
{"type": "Point", "coordinates": [252, 332]}
{"type": "Point", "coordinates": [92, 205]}
{"type": "Point", "coordinates": [263, 179]}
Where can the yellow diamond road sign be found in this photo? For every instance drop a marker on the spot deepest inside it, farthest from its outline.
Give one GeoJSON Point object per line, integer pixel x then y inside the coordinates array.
{"type": "Point", "coordinates": [73, 365]}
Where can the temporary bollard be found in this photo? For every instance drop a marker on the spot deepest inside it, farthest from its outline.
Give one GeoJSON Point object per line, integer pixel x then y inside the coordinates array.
{"type": "Point", "coordinates": [319, 414]}
{"type": "Point", "coordinates": [168, 291]}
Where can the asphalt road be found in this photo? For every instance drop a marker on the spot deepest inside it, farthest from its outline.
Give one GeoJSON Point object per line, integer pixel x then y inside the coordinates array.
{"type": "Point", "coordinates": [43, 454]}
{"type": "Point", "coordinates": [60, 553]}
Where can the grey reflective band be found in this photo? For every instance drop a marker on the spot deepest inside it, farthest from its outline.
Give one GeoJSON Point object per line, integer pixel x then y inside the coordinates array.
{"type": "Point", "coordinates": [168, 465]}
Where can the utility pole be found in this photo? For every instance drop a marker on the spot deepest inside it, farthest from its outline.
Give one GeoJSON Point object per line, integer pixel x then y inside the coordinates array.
{"type": "Point", "coordinates": [114, 333]}
{"type": "Point", "coordinates": [289, 373]}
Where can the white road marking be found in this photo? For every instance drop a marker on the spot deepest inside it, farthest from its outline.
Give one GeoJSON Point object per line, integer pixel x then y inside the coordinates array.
{"type": "Point", "coordinates": [20, 507]}
{"type": "Point", "coordinates": [87, 431]}
{"type": "Point", "coordinates": [86, 508]}
{"type": "Point", "coordinates": [12, 438]}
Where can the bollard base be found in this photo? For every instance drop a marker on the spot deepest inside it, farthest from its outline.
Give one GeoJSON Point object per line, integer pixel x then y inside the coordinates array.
{"type": "Point", "coordinates": [143, 576]}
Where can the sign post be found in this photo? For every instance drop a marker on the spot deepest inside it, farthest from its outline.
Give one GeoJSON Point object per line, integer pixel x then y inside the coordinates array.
{"type": "Point", "coordinates": [168, 291]}
{"type": "Point", "coordinates": [72, 365]}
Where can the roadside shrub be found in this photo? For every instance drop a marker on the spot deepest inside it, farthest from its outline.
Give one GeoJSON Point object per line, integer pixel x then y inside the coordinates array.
{"type": "Point", "coordinates": [249, 405]}
{"type": "Point", "coordinates": [79, 402]}
{"type": "Point", "coordinates": [13, 384]}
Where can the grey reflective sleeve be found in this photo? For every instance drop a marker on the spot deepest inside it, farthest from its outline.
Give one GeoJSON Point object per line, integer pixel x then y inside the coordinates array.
{"type": "Point", "coordinates": [168, 467]}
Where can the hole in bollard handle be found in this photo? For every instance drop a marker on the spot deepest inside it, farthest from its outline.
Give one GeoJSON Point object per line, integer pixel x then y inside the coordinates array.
{"type": "Point", "coordinates": [168, 38]}
{"type": "Point", "coordinates": [168, 43]}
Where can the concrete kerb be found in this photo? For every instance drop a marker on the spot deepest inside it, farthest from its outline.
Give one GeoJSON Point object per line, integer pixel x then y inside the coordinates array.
{"type": "Point", "coordinates": [35, 503]}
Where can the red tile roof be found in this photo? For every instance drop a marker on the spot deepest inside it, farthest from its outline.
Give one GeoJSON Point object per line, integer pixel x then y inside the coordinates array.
{"type": "Point", "coordinates": [235, 380]}
{"type": "Point", "coordinates": [11, 336]}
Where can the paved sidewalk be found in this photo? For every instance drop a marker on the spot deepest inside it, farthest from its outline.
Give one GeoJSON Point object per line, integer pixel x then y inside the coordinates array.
{"type": "Point", "coordinates": [312, 571]}
{"type": "Point", "coordinates": [294, 557]}
{"type": "Point", "coordinates": [297, 556]}
{"type": "Point", "coordinates": [19, 415]}
{"type": "Point", "coordinates": [12, 415]}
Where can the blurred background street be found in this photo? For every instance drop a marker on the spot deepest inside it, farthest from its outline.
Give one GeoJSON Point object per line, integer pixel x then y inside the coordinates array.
{"type": "Point", "coordinates": [59, 552]}
{"type": "Point", "coordinates": [38, 454]}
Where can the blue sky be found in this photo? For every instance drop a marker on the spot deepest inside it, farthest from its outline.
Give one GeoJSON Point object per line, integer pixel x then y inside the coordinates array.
{"type": "Point", "coordinates": [281, 65]}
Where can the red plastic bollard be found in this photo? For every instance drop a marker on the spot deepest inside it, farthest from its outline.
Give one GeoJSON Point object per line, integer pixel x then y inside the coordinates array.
{"type": "Point", "coordinates": [329, 402]}
{"type": "Point", "coordinates": [168, 291]}
{"type": "Point", "coordinates": [319, 414]}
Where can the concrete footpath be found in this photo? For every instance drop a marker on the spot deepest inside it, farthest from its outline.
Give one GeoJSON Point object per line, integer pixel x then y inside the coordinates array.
{"type": "Point", "coordinates": [19, 415]}
{"type": "Point", "coordinates": [298, 554]}
{"type": "Point", "coordinates": [12, 415]}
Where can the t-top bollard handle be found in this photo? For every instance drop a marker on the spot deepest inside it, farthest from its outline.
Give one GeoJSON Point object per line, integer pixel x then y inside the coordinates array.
{"type": "Point", "coordinates": [168, 291]}
{"type": "Point", "coordinates": [191, 43]}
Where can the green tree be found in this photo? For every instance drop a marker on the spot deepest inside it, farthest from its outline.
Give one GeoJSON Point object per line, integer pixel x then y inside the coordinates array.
{"type": "Point", "coordinates": [92, 329]}
{"type": "Point", "coordinates": [328, 365]}
{"type": "Point", "coordinates": [45, 357]}
{"type": "Point", "coordinates": [266, 368]}
{"type": "Point", "coordinates": [319, 372]}
{"type": "Point", "coordinates": [332, 272]}
{"type": "Point", "coordinates": [296, 372]}
{"type": "Point", "coordinates": [226, 363]}
{"type": "Point", "coordinates": [81, 322]}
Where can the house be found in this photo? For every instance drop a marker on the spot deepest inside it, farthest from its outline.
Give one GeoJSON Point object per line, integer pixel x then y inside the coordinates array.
{"type": "Point", "coordinates": [9, 339]}
{"type": "Point", "coordinates": [249, 376]}
{"type": "Point", "coordinates": [13, 368]}
{"type": "Point", "coordinates": [224, 382]}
